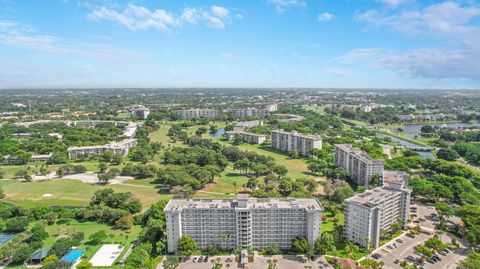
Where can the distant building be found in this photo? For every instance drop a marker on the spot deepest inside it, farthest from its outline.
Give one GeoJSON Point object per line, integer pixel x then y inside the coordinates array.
{"type": "Point", "coordinates": [288, 141]}
{"type": "Point", "coordinates": [368, 213]}
{"type": "Point", "coordinates": [197, 113]}
{"type": "Point", "coordinates": [242, 125]}
{"type": "Point", "coordinates": [56, 135]}
{"type": "Point", "coordinates": [246, 137]}
{"type": "Point", "coordinates": [21, 135]}
{"type": "Point", "coordinates": [357, 162]}
{"type": "Point", "coordinates": [41, 157]}
{"type": "Point", "coordinates": [121, 147]}
{"type": "Point", "coordinates": [253, 222]}
{"type": "Point", "coordinates": [238, 113]}
{"type": "Point", "coordinates": [140, 112]}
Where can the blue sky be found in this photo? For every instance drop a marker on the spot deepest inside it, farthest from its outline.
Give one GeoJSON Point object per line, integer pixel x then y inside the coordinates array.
{"type": "Point", "coordinates": [240, 43]}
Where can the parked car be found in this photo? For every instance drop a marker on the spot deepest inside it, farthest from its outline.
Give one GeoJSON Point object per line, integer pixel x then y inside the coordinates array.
{"type": "Point", "coordinates": [200, 259]}
{"type": "Point", "coordinates": [228, 260]}
{"type": "Point", "coordinates": [399, 240]}
{"type": "Point", "coordinates": [194, 259]}
{"type": "Point", "coordinates": [377, 256]}
{"type": "Point", "coordinates": [411, 235]}
{"type": "Point", "coordinates": [206, 259]}
{"type": "Point", "coordinates": [410, 259]}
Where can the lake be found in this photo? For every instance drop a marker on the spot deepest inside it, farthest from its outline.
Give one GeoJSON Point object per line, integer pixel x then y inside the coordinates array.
{"type": "Point", "coordinates": [415, 128]}
{"type": "Point", "coordinates": [423, 154]}
{"type": "Point", "coordinates": [218, 133]}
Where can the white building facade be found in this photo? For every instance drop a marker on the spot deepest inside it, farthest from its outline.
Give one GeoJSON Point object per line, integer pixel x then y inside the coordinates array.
{"type": "Point", "coordinates": [252, 222]}
{"type": "Point", "coordinates": [288, 141]}
{"type": "Point", "coordinates": [198, 113]}
{"type": "Point", "coordinates": [366, 214]}
{"type": "Point", "coordinates": [357, 162]}
{"type": "Point", "coordinates": [246, 137]}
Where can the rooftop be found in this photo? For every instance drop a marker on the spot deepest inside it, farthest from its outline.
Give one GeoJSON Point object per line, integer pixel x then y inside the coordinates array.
{"type": "Point", "coordinates": [373, 197]}
{"type": "Point", "coordinates": [358, 153]}
{"type": "Point", "coordinates": [396, 177]}
{"type": "Point", "coordinates": [297, 134]}
{"type": "Point", "coordinates": [249, 203]}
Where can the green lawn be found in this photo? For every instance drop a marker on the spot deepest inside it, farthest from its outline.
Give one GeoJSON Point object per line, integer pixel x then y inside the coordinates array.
{"type": "Point", "coordinates": [224, 183]}
{"type": "Point", "coordinates": [69, 192]}
{"type": "Point", "coordinates": [328, 223]}
{"type": "Point", "coordinates": [297, 168]}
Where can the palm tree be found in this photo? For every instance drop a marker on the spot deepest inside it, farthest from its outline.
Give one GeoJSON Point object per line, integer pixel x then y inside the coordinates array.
{"type": "Point", "coordinates": [235, 186]}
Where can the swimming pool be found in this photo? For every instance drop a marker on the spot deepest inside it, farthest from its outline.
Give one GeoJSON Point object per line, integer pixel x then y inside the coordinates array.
{"type": "Point", "coordinates": [73, 256]}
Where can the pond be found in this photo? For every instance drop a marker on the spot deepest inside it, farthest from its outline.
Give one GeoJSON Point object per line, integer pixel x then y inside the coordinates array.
{"type": "Point", "coordinates": [415, 128]}
{"type": "Point", "coordinates": [409, 145]}
{"type": "Point", "coordinates": [218, 133]}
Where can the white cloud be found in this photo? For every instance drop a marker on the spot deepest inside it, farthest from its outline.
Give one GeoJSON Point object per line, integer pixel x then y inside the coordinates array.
{"type": "Point", "coordinates": [338, 72]}
{"type": "Point", "coordinates": [393, 3]}
{"type": "Point", "coordinates": [325, 16]}
{"type": "Point", "coordinates": [220, 11]}
{"type": "Point", "coordinates": [141, 18]}
{"type": "Point", "coordinates": [454, 26]}
{"type": "Point", "coordinates": [13, 34]}
{"type": "Point", "coordinates": [283, 5]}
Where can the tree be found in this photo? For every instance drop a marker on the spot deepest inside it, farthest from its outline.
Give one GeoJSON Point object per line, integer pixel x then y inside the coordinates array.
{"type": "Point", "coordinates": [342, 192]}
{"type": "Point", "coordinates": [38, 233]}
{"type": "Point", "coordinates": [271, 249]}
{"type": "Point", "coordinates": [201, 130]}
{"type": "Point", "coordinates": [280, 170]}
{"type": "Point", "coordinates": [58, 157]}
{"type": "Point", "coordinates": [427, 129]}
{"type": "Point", "coordinates": [448, 154]}
{"type": "Point", "coordinates": [16, 224]}
{"type": "Point", "coordinates": [293, 154]}
{"type": "Point", "coordinates": [140, 257]}
{"type": "Point", "coordinates": [324, 244]}
{"type": "Point", "coordinates": [300, 245]}
{"type": "Point", "coordinates": [97, 237]}
{"type": "Point", "coordinates": [50, 259]}
{"type": "Point", "coordinates": [471, 262]}
{"type": "Point", "coordinates": [117, 159]}
{"type": "Point", "coordinates": [375, 180]}
{"type": "Point", "coordinates": [186, 246]}
{"type": "Point", "coordinates": [124, 222]}
{"type": "Point", "coordinates": [102, 167]}
{"type": "Point", "coordinates": [85, 264]}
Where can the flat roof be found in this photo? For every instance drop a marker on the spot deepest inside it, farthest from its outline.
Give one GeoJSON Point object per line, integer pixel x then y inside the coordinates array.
{"type": "Point", "coordinates": [398, 177]}
{"type": "Point", "coordinates": [358, 153]}
{"type": "Point", "coordinates": [373, 197]}
{"type": "Point", "coordinates": [297, 134]}
{"type": "Point", "coordinates": [249, 203]}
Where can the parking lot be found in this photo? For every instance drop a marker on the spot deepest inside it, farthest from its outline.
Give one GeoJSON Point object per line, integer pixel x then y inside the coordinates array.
{"type": "Point", "coordinates": [401, 247]}
{"type": "Point", "coordinates": [260, 262]}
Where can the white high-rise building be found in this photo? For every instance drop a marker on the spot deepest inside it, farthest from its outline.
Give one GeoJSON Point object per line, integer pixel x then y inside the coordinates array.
{"type": "Point", "coordinates": [357, 162]}
{"type": "Point", "coordinates": [366, 214]}
{"type": "Point", "coordinates": [198, 113]}
{"type": "Point", "coordinates": [288, 141]}
{"type": "Point", "coordinates": [252, 222]}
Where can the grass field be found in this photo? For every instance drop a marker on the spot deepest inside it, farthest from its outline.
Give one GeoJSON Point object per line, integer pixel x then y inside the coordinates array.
{"type": "Point", "coordinates": [296, 167]}
{"type": "Point", "coordinates": [70, 192]}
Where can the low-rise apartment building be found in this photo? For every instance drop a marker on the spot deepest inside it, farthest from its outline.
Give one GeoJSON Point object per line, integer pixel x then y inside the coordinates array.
{"type": "Point", "coordinates": [368, 213]}
{"type": "Point", "coordinates": [246, 137]}
{"type": "Point", "coordinates": [140, 112]}
{"type": "Point", "coordinates": [242, 125]}
{"type": "Point", "coordinates": [121, 147]}
{"type": "Point", "coordinates": [251, 222]}
{"type": "Point", "coordinates": [198, 113]}
{"type": "Point", "coordinates": [288, 141]}
{"type": "Point", "coordinates": [357, 162]}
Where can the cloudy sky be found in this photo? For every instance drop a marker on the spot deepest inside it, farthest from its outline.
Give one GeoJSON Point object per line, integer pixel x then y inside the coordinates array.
{"type": "Point", "coordinates": [239, 43]}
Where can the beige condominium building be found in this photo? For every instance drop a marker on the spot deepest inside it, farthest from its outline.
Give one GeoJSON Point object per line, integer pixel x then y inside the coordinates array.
{"type": "Point", "coordinates": [357, 162]}
{"type": "Point", "coordinates": [238, 113]}
{"type": "Point", "coordinates": [250, 222]}
{"type": "Point", "coordinates": [366, 214]}
{"type": "Point", "coordinates": [288, 141]}
{"type": "Point", "coordinates": [198, 113]}
{"type": "Point", "coordinates": [246, 137]}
